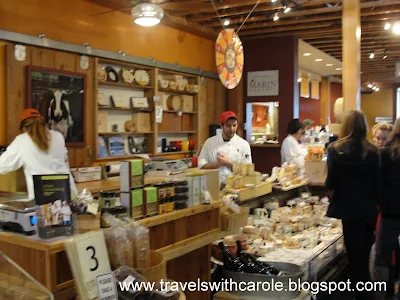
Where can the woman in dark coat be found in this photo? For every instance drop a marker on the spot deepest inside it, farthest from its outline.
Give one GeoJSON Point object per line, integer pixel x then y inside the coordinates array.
{"type": "Point", "coordinates": [354, 177]}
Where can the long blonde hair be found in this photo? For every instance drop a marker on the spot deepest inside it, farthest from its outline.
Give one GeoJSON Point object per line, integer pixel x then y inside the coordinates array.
{"type": "Point", "coordinates": [383, 126]}
{"type": "Point", "coordinates": [395, 137]}
{"type": "Point", "coordinates": [37, 130]}
{"type": "Point", "coordinates": [355, 126]}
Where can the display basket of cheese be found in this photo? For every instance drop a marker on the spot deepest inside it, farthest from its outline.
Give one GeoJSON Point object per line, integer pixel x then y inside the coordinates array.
{"type": "Point", "coordinates": [286, 178]}
{"type": "Point", "coordinates": [315, 153]}
{"type": "Point", "coordinates": [233, 216]}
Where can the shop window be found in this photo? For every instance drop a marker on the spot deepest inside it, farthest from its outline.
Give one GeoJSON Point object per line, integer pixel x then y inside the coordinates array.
{"type": "Point", "coordinates": [262, 122]}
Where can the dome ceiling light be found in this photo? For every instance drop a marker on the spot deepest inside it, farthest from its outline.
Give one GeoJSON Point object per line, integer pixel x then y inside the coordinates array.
{"type": "Point", "coordinates": [147, 14]}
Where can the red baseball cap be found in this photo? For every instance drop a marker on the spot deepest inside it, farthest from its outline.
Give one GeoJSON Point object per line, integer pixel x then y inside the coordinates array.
{"type": "Point", "coordinates": [30, 112]}
{"type": "Point", "coordinates": [227, 115]}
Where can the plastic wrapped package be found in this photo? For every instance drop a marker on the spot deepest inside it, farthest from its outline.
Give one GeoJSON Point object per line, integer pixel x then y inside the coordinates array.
{"type": "Point", "coordinates": [127, 276]}
{"type": "Point", "coordinates": [118, 244]}
{"type": "Point", "coordinates": [131, 227]}
{"type": "Point", "coordinates": [165, 291]}
{"type": "Point", "coordinates": [142, 247]}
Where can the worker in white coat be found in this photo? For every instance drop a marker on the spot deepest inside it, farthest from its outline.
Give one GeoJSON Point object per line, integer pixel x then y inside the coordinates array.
{"type": "Point", "coordinates": [38, 150]}
{"type": "Point", "coordinates": [291, 151]}
{"type": "Point", "coordinates": [224, 150]}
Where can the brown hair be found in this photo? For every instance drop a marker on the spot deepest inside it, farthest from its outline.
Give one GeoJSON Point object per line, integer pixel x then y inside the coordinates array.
{"type": "Point", "coordinates": [355, 126]}
{"type": "Point", "coordinates": [36, 129]}
{"type": "Point", "coordinates": [395, 145]}
{"type": "Point", "coordinates": [383, 126]}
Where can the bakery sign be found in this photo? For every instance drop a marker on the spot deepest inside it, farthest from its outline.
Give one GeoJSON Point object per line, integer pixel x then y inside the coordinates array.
{"type": "Point", "coordinates": [263, 83]}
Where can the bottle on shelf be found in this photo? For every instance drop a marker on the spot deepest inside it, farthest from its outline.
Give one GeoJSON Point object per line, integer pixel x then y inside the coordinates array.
{"type": "Point", "coordinates": [253, 264]}
{"type": "Point", "coordinates": [231, 263]}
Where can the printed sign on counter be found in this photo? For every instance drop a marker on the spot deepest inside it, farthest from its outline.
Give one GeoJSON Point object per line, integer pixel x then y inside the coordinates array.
{"type": "Point", "coordinates": [106, 287]}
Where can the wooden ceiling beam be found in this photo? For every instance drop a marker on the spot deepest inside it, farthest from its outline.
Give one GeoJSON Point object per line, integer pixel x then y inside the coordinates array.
{"type": "Point", "coordinates": [259, 8]}
{"type": "Point", "coordinates": [368, 28]}
{"type": "Point", "coordinates": [374, 15]}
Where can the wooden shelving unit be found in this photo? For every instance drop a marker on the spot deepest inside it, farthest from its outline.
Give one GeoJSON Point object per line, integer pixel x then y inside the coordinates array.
{"type": "Point", "coordinates": [122, 157]}
{"type": "Point", "coordinates": [174, 123]}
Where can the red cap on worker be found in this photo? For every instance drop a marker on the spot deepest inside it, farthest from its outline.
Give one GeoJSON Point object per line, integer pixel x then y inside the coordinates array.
{"type": "Point", "coordinates": [30, 112]}
{"type": "Point", "coordinates": [227, 115]}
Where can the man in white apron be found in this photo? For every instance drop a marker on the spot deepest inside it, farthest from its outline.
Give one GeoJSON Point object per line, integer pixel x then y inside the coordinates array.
{"type": "Point", "coordinates": [224, 150]}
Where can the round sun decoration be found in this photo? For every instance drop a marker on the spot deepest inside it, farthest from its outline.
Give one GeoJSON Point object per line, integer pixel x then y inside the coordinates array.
{"type": "Point", "coordinates": [229, 58]}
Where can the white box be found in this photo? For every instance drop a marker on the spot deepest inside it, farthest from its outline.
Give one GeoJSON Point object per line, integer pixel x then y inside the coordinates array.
{"type": "Point", "coordinates": [316, 171]}
{"type": "Point", "coordinates": [203, 187]}
{"type": "Point", "coordinates": [86, 174]}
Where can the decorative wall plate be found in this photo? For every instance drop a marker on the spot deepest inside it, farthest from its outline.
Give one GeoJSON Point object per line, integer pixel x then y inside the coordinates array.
{"type": "Point", "coordinates": [101, 73]}
{"type": "Point", "coordinates": [111, 74]}
{"type": "Point", "coordinates": [229, 57]}
{"type": "Point", "coordinates": [139, 102]}
{"type": "Point", "coordinates": [127, 75]}
{"type": "Point", "coordinates": [102, 100]}
{"type": "Point", "coordinates": [142, 77]}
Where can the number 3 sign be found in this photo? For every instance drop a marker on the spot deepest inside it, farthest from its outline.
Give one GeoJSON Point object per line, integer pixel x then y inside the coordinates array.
{"type": "Point", "coordinates": [88, 258]}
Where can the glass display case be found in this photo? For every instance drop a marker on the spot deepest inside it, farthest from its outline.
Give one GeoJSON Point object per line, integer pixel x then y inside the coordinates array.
{"type": "Point", "coordinates": [262, 122]}
{"type": "Point", "coordinates": [16, 283]}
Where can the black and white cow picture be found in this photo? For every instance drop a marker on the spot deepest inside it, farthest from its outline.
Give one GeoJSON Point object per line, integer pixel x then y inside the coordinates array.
{"type": "Point", "coordinates": [59, 115]}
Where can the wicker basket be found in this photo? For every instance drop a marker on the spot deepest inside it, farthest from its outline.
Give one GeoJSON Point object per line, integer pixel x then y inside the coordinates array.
{"type": "Point", "coordinates": [234, 221]}
{"type": "Point", "coordinates": [157, 269]}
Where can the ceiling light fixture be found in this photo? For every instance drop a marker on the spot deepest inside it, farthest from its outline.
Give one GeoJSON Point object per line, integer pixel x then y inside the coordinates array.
{"type": "Point", "coordinates": [147, 14]}
{"type": "Point", "coordinates": [396, 28]}
{"type": "Point", "coordinates": [273, 1]}
{"type": "Point", "coordinates": [385, 55]}
{"type": "Point", "coordinates": [319, 59]}
{"type": "Point", "coordinates": [286, 9]}
{"type": "Point", "coordinates": [370, 86]}
{"type": "Point", "coordinates": [387, 26]}
{"type": "Point", "coordinates": [226, 22]}
{"type": "Point", "coordinates": [374, 88]}
{"type": "Point", "coordinates": [299, 80]}
{"type": "Point", "coordinates": [371, 55]}
{"type": "Point", "coordinates": [377, 89]}
{"type": "Point", "coordinates": [306, 54]}
{"type": "Point", "coordinates": [276, 17]}
{"type": "Point", "coordinates": [329, 65]}
{"type": "Point", "coordinates": [338, 69]}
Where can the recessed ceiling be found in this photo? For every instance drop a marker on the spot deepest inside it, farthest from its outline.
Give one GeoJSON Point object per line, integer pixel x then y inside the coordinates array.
{"type": "Point", "coordinates": [309, 63]}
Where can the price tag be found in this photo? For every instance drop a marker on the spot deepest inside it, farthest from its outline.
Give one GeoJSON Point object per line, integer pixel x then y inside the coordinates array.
{"type": "Point", "coordinates": [93, 259]}
{"type": "Point", "coordinates": [106, 287]}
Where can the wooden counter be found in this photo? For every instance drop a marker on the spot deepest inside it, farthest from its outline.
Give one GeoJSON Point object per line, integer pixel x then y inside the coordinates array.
{"type": "Point", "coordinates": [183, 236]}
{"type": "Point", "coordinates": [265, 145]}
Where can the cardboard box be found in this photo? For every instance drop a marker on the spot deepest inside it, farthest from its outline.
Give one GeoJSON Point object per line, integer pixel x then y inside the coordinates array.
{"type": "Point", "coordinates": [133, 201]}
{"type": "Point", "coordinates": [151, 196]}
{"type": "Point", "coordinates": [316, 171]}
{"type": "Point", "coordinates": [86, 174]}
{"type": "Point", "coordinates": [187, 103]}
{"type": "Point", "coordinates": [142, 121]}
{"type": "Point", "coordinates": [131, 175]}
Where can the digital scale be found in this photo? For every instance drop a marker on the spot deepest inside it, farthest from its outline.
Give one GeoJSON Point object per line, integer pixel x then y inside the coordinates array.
{"type": "Point", "coordinates": [174, 166]}
{"type": "Point", "coordinates": [17, 215]}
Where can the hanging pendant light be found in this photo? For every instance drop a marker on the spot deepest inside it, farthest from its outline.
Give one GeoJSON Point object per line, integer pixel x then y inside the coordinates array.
{"type": "Point", "coordinates": [147, 14]}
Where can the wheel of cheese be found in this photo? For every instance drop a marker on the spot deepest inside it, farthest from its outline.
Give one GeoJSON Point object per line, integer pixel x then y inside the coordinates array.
{"type": "Point", "coordinates": [174, 103]}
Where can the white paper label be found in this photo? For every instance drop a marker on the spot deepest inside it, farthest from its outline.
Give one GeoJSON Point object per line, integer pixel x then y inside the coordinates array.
{"type": "Point", "coordinates": [129, 279]}
{"type": "Point", "coordinates": [93, 261]}
{"type": "Point", "coordinates": [106, 287]}
{"type": "Point", "coordinates": [93, 208]}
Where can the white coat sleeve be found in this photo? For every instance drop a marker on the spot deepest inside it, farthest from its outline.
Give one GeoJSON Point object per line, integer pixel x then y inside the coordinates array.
{"type": "Point", "coordinates": [72, 184]}
{"type": "Point", "coordinates": [203, 157]}
{"type": "Point", "coordinates": [247, 154]}
{"type": "Point", "coordinates": [293, 155]}
{"type": "Point", "coordinates": [11, 159]}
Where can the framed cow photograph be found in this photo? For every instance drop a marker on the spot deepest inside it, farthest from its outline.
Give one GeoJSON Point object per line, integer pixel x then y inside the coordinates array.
{"type": "Point", "coordinates": [60, 98]}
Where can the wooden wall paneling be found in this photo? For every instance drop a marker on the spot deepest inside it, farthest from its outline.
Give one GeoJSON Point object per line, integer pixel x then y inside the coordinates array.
{"type": "Point", "coordinates": [43, 57]}
{"type": "Point", "coordinates": [236, 104]}
{"type": "Point", "coordinates": [203, 131]}
{"type": "Point", "coordinates": [84, 155]}
{"type": "Point", "coordinates": [220, 100]}
{"type": "Point", "coordinates": [15, 90]}
{"type": "Point", "coordinates": [211, 99]}
{"type": "Point", "coordinates": [325, 99]}
{"type": "Point", "coordinates": [202, 258]}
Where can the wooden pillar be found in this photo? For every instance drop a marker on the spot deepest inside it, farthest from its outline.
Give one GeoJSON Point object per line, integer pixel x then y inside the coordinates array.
{"type": "Point", "coordinates": [325, 100]}
{"type": "Point", "coordinates": [351, 30]}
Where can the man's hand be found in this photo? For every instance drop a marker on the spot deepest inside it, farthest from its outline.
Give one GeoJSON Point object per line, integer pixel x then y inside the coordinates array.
{"type": "Point", "coordinates": [224, 161]}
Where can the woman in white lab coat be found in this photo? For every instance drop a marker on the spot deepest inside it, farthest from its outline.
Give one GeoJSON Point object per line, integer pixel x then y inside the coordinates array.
{"type": "Point", "coordinates": [291, 151]}
{"type": "Point", "coordinates": [38, 150]}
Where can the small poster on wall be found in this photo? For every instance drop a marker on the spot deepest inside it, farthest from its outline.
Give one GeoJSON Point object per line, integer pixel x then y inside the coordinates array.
{"type": "Point", "coordinates": [263, 83]}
